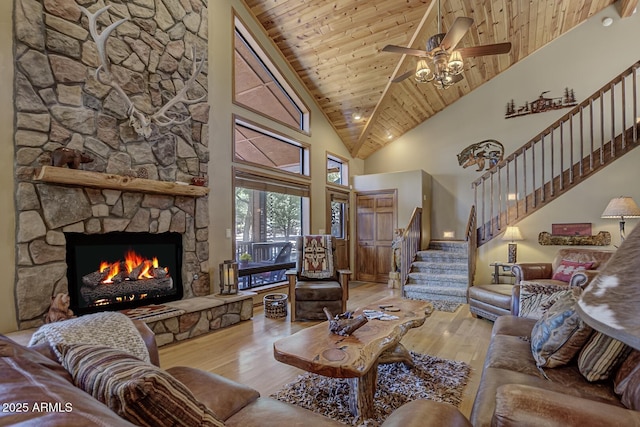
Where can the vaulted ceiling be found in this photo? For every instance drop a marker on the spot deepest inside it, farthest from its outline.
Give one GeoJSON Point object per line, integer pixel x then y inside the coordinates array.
{"type": "Point", "coordinates": [335, 48]}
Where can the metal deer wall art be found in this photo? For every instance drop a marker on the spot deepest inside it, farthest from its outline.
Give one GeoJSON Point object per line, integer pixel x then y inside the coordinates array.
{"type": "Point", "coordinates": [140, 121]}
{"type": "Point", "coordinates": [480, 153]}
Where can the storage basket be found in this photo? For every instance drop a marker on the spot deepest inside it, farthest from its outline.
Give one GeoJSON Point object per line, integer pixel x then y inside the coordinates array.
{"type": "Point", "coordinates": [275, 306]}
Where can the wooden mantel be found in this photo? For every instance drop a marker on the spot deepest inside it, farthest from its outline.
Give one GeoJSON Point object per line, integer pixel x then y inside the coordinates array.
{"type": "Point", "coordinates": [116, 182]}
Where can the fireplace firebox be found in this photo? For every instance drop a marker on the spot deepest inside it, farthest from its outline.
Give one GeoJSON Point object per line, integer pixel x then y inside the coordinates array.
{"type": "Point", "coordinates": [116, 271]}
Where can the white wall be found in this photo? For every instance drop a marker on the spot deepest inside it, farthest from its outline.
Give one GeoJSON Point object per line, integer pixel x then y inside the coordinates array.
{"type": "Point", "coordinates": [414, 191]}
{"type": "Point", "coordinates": [584, 59]}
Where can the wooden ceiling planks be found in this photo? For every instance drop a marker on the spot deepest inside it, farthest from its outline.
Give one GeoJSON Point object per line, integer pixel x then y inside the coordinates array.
{"type": "Point", "coordinates": [334, 46]}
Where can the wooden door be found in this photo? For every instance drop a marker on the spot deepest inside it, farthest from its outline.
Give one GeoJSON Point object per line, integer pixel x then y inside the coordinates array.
{"type": "Point", "coordinates": [375, 222]}
{"type": "Point", "coordinates": [338, 225]}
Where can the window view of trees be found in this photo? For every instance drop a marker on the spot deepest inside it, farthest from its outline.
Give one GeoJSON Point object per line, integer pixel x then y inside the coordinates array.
{"type": "Point", "coordinates": [283, 215]}
{"type": "Point", "coordinates": [278, 216]}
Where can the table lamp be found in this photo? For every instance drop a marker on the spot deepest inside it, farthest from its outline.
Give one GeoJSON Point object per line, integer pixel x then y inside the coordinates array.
{"type": "Point", "coordinates": [621, 207]}
{"type": "Point", "coordinates": [512, 234]}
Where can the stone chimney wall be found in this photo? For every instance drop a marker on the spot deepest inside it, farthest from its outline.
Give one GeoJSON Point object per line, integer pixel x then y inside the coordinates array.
{"type": "Point", "coordinates": [60, 103]}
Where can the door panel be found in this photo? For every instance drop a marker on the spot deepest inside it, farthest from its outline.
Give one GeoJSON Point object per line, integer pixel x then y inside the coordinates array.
{"type": "Point", "coordinates": [375, 222]}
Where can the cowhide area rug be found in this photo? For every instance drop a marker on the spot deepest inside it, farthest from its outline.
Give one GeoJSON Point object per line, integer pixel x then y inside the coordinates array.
{"type": "Point", "coordinates": [431, 378]}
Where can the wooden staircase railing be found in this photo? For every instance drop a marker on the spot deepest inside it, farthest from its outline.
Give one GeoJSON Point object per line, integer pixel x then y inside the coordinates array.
{"type": "Point", "coordinates": [586, 139]}
{"type": "Point", "coordinates": [472, 243]}
{"type": "Point", "coordinates": [411, 240]}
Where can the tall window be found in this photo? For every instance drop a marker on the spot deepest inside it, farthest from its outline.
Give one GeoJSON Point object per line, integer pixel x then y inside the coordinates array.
{"type": "Point", "coordinates": [259, 86]}
{"type": "Point", "coordinates": [271, 179]}
{"type": "Point", "coordinates": [261, 147]}
{"type": "Point", "coordinates": [339, 214]}
{"type": "Point", "coordinates": [270, 213]}
{"type": "Point", "coordinates": [337, 170]}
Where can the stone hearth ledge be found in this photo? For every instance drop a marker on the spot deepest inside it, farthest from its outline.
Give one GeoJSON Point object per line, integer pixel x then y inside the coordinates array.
{"type": "Point", "coordinates": [197, 316]}
{"type": "Point", "coordinates": [201, 315]}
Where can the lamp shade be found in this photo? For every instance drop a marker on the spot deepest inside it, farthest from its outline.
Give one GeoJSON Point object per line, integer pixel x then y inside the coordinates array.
{"type": "Point", "coordinates": [622, 206]}
{"type": "Point", "coordinates": [610, 302]}
{"type": "Point", "coordinates": [512, 234]}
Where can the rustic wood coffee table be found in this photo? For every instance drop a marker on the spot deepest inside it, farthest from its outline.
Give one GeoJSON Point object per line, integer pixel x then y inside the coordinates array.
{"type": "Point", "coordinates": [356, 357]}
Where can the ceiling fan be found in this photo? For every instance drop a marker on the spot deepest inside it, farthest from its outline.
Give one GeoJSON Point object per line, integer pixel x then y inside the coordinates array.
{"type": "Point", "coordinates": [446, 59]}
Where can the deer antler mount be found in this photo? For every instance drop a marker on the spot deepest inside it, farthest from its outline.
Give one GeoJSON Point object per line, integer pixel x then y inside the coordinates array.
{"type": "Point", "coordinates": [140, 121]}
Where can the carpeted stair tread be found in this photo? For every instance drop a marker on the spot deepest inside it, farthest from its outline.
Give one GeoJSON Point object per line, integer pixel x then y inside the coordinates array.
{"type": "Point", "coordinates": [440, 273]}
{"type": "Point", "coordinates": [439, 267]}
{"type": "Point", "coordinates": [427, 256]}
{"type": "Point", "coordinates": [436, 294]}
{"type": "Point", "coordinates": [420, 277]}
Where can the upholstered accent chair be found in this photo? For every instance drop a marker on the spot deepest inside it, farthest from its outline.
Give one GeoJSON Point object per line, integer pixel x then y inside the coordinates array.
{"type": "Point", "coordinates": [316, 283]}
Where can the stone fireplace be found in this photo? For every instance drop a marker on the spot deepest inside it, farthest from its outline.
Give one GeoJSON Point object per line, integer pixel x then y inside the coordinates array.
{"type": "Point", "coordinates": [133, 183]}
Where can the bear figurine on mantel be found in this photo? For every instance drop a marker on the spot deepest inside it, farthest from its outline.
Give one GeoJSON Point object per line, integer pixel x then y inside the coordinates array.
{"type": "Point", "coordinates": [69, 157]}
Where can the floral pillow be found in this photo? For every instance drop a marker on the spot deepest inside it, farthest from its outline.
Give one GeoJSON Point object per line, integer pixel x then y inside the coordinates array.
{"type": "Point", "coordinates": [536, 298]}
{"type": "Point", "coordinates": [565, 270]}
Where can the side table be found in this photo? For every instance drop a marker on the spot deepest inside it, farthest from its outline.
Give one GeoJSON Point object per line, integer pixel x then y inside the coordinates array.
{"type": "Point", "coordinates": [502, 269]}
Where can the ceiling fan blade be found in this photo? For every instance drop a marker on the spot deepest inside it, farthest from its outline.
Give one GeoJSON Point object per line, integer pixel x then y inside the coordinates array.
{"type": "Point", "coordinates": [487, 49]}
{"type": "Point", "coordinates": [402, 77]}
{"type": "Point", "coordinates": [404, 50]}
{"type": "Point", "coordinates": [456, 33]}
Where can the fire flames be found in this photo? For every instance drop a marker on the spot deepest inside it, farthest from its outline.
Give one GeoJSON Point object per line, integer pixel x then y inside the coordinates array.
{"type": "Point", "coordinates": [134, 267]}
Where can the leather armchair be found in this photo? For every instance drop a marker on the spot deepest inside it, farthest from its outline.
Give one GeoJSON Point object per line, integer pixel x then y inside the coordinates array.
{"type": "Point", "coordinates": [309, 296]}
{"type": "Point", "coordinates": [542, 272]}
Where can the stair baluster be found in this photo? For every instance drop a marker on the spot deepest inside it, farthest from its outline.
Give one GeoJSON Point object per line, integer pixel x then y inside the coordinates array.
{"type": "Point", "coordinates": [561, 142]}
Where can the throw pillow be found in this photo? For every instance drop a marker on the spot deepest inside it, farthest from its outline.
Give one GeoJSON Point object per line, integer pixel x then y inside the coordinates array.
{"type": "Point", "coordinates": [560, 333]}
{"type": "Point", "coordinates": [627, 381]}
{"type": "Point", "coordinates": [600, 356]}
{"type": "Point", "coordinates": [137, 391]}
{"type": "Point", "coordinates": [535, 298]}
{"type": "Point", "coordinates": [565, 270]}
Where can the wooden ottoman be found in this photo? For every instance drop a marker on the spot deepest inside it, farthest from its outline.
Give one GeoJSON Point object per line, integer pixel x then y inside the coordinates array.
{"type": "Point", "coordinates": [490, 301]}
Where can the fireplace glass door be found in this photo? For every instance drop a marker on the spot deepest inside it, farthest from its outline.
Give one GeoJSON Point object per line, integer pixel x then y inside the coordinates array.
{"type": "Point", "coordinates": [115, 271]}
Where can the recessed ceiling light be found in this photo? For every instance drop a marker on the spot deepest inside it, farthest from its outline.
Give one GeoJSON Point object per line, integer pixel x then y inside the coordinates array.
{"type": "Point", "coordinates": [607, 21]}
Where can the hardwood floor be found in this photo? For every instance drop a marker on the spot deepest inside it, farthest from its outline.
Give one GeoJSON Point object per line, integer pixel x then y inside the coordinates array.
{"type": "Point", "coordinates": [244, 352]}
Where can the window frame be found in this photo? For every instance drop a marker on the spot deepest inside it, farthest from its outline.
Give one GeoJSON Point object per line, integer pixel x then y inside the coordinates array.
{"type": "Point", "coordinates": [305, 149]}
{"type": "Point", "coordinates": [275, 73]}
{"type": "Point", "coordinates": [344, 170]}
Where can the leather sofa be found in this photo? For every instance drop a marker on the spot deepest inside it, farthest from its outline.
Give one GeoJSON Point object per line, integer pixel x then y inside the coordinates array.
{"type": "Point", "coordinates": [36, 390]}
{"type": "Point", "coordinates": [514, 392]}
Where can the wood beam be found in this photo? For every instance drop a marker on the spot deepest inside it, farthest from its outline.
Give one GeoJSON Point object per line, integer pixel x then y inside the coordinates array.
{"type": "Point", "coordinates": [627, 7]}
{"type": "Point", "coordinates": [83, 178]}
{"type": "Point", "coordinates": [370, 121]}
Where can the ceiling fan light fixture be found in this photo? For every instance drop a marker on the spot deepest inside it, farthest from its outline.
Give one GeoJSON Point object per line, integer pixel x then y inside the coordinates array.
{"type": "Point", "coordinates": [423, 72]}
{"type": "Point", "coordinates": [455, 62]}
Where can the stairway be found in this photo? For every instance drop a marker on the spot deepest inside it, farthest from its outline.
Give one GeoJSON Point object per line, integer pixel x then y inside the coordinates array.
{"type": "Point", "coordinates": [440, 273]}
{"type": "Point", "coordinates": [601, 129]}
